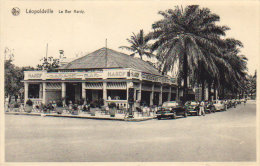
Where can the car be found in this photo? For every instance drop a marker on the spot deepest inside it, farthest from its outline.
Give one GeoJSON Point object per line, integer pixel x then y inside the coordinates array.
{"type": "Point", "coordinates": [233, 103]}
{"type": "Point", "coordinates": [219, 105]}
{"type": "Point", "coordinates": [171, 109]}
{"type": "Point", "coordinates": [192, 107]}
{"type": "Point", "coordinates": [243, 100]}
{"type": "Point", "coordinates": [209, 107]}
{"type": "Point", "coordinates": [229, 104]}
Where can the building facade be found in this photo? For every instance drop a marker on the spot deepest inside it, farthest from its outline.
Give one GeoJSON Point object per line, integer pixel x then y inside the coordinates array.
{"type": "Point", "coordinates": [104, 74]}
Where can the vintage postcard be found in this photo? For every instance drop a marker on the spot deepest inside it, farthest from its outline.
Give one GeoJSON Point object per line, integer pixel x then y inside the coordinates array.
{"type": "Point", "coordinates": [129, 82]}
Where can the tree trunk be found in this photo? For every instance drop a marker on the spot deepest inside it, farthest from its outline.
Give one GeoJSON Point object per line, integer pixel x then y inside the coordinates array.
{"type": "Point", "coordinates": [209, 90]}
{"type": "Point", "coordinates": [214, 86]}
{"type": "Point", "coordinates": [185, 77]}
{"type": "Point", "coordinates": [203, 90]}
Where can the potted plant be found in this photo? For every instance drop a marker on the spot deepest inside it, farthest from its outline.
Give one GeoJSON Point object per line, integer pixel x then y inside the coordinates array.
{"type": "Point", "coordinates": [112, 109]}
{"type": "Point", "coordinates": [75, 109]}
{"type": "Point", "coordinates": [92, 108]}
{"type": "Point", "coordinates": [29, 106]}
{"type": "Point", "coordinates": [16, 107]}
{"type": "Point", "coordinates": [59, 108]}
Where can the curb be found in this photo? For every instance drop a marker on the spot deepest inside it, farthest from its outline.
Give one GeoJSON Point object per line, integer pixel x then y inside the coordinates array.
{"type": "Point", "coordinates": [81, 117]}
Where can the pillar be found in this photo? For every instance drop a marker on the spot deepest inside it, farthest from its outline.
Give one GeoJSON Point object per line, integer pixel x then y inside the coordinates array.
{"type": "Point", "coordinates": [152, 95]}
{"type": "Point", "coordinates": [26, 88]}
{"type": "Point", "coordinates": [83, 93]}
{"type": "Point", "coordinates": [40, 93]}
{"type": "Point", "coordinates": [139, 95]}
{"type": "Point", "coordinates": [44, 92]}
{"type": "Point", "coordinates": [170, 94]}
{"type": "Point", "coordinates": [105, 93]}
{"type": "Point", "coordinates": [177, 94]}
{"type": "Point", "coordinates": [160, 95]}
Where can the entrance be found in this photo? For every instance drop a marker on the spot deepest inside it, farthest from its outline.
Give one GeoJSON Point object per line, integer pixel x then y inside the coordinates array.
{"type": "Point", "coordinates": [93, 94]}
{"type": "Point", "coordinates": [73, 92]}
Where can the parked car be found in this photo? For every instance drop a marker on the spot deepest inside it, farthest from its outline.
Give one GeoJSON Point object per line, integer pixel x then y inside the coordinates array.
{"type": "Point", "coordinates": [219, 105]}
{"type": "Point", "coordinates": [209, 107]}
{"type": "Point", "coordinates": [233, 103]}
{"type": "Point", "coordinates": [192, 107]}
{"type": "Point", "coordinates": [171, 109]}
{"type": "Point", "coordinates": [243, 100]}
{"type": "Point", "coordinates": [229, 104]}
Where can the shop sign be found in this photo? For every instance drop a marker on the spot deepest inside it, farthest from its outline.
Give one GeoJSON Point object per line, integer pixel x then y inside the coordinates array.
{"type": "Point", "coordinates": [116, 74]}
{"type": "Point", "coordinates": [64, 76]}
{"type": "Point", "coordinates": [33, 75]}
{"type": "Point", "coordinates": [134, 74]}
{"type": "Point", "coordinates": [93, 75]}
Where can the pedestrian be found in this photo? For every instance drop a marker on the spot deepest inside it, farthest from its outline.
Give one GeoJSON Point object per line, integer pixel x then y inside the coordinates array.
{"type": "Point", "coordinates": [202, 111]}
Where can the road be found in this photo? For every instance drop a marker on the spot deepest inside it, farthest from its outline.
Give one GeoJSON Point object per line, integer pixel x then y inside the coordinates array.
{"type": "Point", "coordinates": [222, 136]}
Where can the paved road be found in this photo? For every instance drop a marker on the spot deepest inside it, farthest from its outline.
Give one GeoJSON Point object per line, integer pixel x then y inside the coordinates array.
{"type": "Point", "coordinates": [223, 136]}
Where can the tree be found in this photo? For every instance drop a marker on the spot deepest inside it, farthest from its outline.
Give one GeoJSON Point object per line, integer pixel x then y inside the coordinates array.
{"type": "Point", "coordinates": [188, 37]}
{"type": "Point", "coordinates": [49, 64]}
{"type": "Point", "coordinates": [139, 45]}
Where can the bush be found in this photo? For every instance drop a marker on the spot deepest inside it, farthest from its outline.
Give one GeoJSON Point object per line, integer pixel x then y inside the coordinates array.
{"type": "Point", "coordinates": [59, 103]}
{"type": "Point", "coordinates": [16, 105]}
{"type": "Point", "coordinates": [29, 102]}
{"type": "Point", "coordinates": [112, 105]}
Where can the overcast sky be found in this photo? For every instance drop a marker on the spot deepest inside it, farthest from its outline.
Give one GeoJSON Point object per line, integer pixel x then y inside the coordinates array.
{"type": "Point", "coordinates": [28, 34]}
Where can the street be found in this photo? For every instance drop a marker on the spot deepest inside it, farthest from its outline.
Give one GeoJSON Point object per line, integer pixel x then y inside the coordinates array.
{"type": "Point", "coordinates": [222, 136]}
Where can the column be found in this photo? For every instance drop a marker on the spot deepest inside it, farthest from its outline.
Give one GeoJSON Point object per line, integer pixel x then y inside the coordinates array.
{"type": "Point", "coordinates": [26, 88]}
{"type": "Point", "coordinates": [170, 94]}
{"type": "Point", "coordinates": [105, 93]}
{"type": "Point", "coordinates": [44, 92]}
{"type": "Point", "coordinates": [152, 95]}
{"type": "Point", "coordinates": [40, 93]}
{"type": "Point", "coordinates": [139, 97]}
{"type": "Point", "coordinates": [177, 94]}
{"type": "Point", "coordinates": [63, 90]}
{"type": "Point", "coordinates": [83, 93]}
{"type": "Point", "coordinates": [160, 95]}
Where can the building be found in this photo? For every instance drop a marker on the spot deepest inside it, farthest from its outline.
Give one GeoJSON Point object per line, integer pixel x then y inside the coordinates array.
{"type": "Point", "coordinates": [103, 74]}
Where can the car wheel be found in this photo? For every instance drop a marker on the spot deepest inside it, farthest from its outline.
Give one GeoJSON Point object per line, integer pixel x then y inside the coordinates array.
{"type": "Point", "coordinates": [159, 118]}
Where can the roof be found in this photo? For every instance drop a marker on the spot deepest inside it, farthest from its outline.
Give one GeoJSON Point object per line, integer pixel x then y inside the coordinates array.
{"type": "Point", "coordinates": [114, 59]}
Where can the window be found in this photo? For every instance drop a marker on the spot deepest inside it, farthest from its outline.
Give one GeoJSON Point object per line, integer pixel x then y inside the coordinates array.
{"type": "Point", "coordinates": [34, 90]}
{"type": "Point", "coordinates": [116, 94]}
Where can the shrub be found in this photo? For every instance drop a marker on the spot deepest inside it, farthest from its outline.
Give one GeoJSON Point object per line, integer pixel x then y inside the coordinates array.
{"type": "Point", "coordinates": [112, 105]}
{"type": "Point", "coordinates": [59, 103]}
{"type": "Point", "coordinates": [16, 105]}
{"type": "Point", "coordinates": [29, 102]}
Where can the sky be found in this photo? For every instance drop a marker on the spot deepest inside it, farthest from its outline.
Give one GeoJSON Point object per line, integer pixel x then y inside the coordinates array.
{"type": "Point", "coordinates": [28, 34]}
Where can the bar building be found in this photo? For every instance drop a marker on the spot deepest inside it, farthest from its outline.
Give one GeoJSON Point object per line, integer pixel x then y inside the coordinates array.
{"type": "Point", "coordinates": [104, 73]}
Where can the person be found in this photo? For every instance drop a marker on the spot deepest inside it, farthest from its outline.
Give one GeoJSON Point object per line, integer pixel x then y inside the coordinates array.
{"type": "Point", "coordinates": [202, 111]}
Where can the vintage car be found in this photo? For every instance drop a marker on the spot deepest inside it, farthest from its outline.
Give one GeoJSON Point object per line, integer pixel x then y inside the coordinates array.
{"type": "Point", "coordinates": [171, 109]}
{"type": "Point", "coordinates": [228, 104]}
{"type": "Point", "coordinates": [192, 107]}
{"type": "Point", "coordinates": [209, 107]}
{"type": "Point", "coordinates": [233, 103]}
{"type": "Point", "coordinates": [243, 100]}
{"type": "Point", "coordinates": [219, 105]}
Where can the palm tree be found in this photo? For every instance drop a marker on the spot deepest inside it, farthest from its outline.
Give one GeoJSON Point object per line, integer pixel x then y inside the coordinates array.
{"type": "Point", "coordinates": [139, 45]}
{"type": "Point", "coordinates": [188, 37]}
{"type": "Point", "coordinates": [233, 67]}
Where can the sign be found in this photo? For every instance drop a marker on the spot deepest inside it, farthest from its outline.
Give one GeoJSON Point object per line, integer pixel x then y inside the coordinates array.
{"type": "Point", "coordinates": [64, 76]}
{"type": "Point", "coordinates": [33, 75]}
{"type": "Point", "coordinates": [93, 75]}
{"type": "Point", "coordinates": [116, 74]}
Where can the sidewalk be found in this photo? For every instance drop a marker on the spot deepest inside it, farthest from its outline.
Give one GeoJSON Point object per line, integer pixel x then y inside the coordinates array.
{"type": "Point", "coordinates": [98, 116]}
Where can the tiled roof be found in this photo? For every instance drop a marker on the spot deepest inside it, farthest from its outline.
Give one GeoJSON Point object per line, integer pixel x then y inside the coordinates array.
{"type": "Point", "coordinates": [114, 59]}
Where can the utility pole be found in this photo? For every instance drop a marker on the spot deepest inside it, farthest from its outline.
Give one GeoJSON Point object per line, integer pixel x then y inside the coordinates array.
{"type": "Point", "coordinates": [106, 52]}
